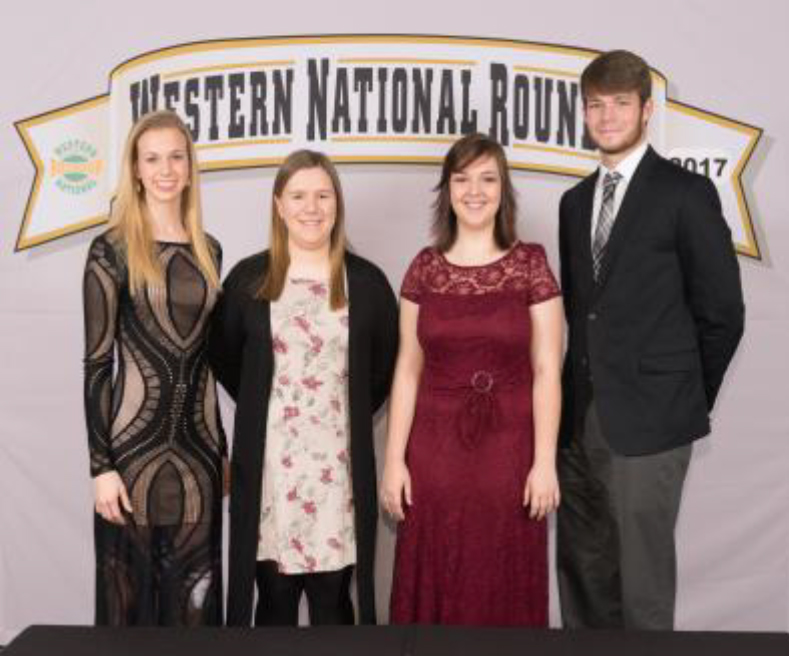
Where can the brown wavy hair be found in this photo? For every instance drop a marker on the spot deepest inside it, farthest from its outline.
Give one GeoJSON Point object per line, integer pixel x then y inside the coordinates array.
{"type": "Point", "coordinates": [617, 71]}
{"type": "Point", "coordinates": [463, 152]}
{"type": "Point", "coordinates": [279, 257]}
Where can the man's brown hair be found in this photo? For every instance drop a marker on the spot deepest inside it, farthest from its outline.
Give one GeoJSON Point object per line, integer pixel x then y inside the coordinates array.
{"type": "Point", "coordinates": [617, 71]}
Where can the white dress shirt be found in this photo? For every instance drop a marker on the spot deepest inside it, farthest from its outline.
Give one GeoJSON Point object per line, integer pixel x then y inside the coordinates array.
{"type": "Point", "coordinates": [626, 168]}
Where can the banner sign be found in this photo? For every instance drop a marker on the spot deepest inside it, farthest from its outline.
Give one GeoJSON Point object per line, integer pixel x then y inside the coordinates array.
{"type": "Point", "coordinates": [358, 98]}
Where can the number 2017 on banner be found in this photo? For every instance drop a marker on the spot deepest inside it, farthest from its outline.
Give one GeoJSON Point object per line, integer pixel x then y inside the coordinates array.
{"type": "Point", "coordinates": [712, 167]}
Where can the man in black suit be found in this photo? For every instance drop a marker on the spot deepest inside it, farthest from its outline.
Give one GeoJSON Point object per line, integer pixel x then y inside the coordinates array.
{"type": "Point", "coordinates": [654, 305]}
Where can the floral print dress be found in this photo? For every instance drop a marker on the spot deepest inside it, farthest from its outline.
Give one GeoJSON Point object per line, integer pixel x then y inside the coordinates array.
{"type": "Point", "coordinates": [307, 519]}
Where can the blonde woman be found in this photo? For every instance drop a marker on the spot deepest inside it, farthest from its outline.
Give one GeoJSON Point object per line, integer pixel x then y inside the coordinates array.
{"type": "Point", "coordinates": [154, 432]}
{"type": "Point", "coordinates": [304, 339]}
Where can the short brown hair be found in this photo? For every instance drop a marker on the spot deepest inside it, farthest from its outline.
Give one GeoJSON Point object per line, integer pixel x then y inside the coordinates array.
{"type": "Point", "coordinates": [465, 151]}
{"type": "Point", "coordinates": [279, 257]}
{"type": "Point", "coordinates": [617, 71]}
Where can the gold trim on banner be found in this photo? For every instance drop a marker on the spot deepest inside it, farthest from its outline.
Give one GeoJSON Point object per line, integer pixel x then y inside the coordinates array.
{"type": "Point", "coordinates": [751, 247]}
{"type": "Point", "coordinates": [406, 60]}
{"type": "Point", "coordinates": [246, 142]}
{"type": "Point", "coordinates": [709, 117]}
{"type": "Point", "coordinates": [374, 139]}
{"type": "Point", "coordinates": [22, 241]}
{"type": "Point", "coordinates": [228, 44]}
{"type": "Point", "coordinates": [556, 151]}
{"type": "Point", "coordinates": [554, 170]}
{"type": "Point", "coordinates": [238, 164]}
{"type": "Point", "coordinates": [657, 77]}
{"type": "Point", "coordinates": [71, 229]}
{"type": "Point", "coordinates": [229, 67]}
{"type": "Point", "coordinates": [547, 71]}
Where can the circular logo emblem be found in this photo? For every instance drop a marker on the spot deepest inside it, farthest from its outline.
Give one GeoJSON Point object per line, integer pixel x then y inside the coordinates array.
{"type": "Point", "coordinates": [75, 167]}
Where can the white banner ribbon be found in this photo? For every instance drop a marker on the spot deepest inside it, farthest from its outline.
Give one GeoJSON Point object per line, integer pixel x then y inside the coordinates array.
{"type": "Point", "coordinates": [374, 99]}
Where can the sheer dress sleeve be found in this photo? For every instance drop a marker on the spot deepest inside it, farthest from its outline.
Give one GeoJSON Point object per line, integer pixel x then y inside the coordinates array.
{"type": "Point", "coordinates": [217, 252]}
{"type": "Point", "coordinates": [100, 293]}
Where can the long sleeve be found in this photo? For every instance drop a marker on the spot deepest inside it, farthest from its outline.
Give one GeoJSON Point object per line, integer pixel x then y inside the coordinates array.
{"type": "Point", "coordinates": [100, 292]}
{"type": "Point", "coordinates": [217, 251]}
{"type": "Point", "coordinates": [564, 258]}
{"type": "Point", "coordinates": [712, 281]}
{"type": "Point", "coordinates": [226, 338]}
{"type": "Point", "coordinates": [385, 341]}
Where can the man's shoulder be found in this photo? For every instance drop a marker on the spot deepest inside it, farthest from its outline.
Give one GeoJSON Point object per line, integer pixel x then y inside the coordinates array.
{"type": "Point", "coordinates": [583, 184]}
{"type": "Point", "coordinates": [672, 173]}
{"type": "Point", "coordinates": [579, 191]}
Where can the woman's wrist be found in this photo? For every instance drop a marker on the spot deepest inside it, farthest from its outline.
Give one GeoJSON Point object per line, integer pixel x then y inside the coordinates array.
{"type": "Point", "coordinates": [393, 460]}
{"type": "Point", "coordinates": [544, 461]}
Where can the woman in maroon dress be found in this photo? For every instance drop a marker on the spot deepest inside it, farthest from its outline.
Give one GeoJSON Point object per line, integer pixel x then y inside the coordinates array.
{"type": "Point", "coordinates": [470, 457]}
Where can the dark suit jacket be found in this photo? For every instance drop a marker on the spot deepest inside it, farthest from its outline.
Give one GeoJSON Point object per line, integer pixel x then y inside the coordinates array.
{"type": "Point", "coordinates": [240, 348]}
{"type": "Point", "coordinates": [653, 337]}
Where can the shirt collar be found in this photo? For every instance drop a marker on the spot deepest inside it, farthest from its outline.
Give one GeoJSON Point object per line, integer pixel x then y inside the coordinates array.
{"type": "Point", "coordinates": [627, 167]}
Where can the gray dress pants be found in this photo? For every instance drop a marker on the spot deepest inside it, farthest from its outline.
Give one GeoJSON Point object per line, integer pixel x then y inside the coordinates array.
{"type": "Point", "coordinates": [616, 557]}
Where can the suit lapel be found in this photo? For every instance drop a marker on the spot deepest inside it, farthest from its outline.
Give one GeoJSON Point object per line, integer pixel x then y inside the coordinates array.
{"type": "Point", "coordinates": [628, 215]}
{"type": "Point", "coordinates": [583, 235]}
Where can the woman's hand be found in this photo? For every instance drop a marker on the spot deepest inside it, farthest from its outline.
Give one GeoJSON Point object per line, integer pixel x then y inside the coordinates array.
{"type": "Point", "coordinates": [541, 492]}
{"type": "Point", "coordinates": [111, 497]}
{"type": "Point", "coordinates": [396, 485]}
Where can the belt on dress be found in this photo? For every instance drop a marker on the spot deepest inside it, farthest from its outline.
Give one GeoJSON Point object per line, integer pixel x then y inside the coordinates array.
{"type": "Point", "coordinates": [480, 408]}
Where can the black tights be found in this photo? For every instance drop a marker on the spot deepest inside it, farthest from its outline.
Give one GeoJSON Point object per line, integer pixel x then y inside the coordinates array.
{"type": "Point", "coordinates": [328, 596]}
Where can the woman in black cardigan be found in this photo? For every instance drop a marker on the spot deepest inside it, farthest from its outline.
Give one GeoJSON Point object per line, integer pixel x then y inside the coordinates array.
{"type": "Point", "coordinates": [251, 337]}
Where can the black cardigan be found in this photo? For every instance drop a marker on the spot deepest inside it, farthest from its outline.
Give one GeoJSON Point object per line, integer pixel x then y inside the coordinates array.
{"type": "Point", "coordinates": [240, 348]}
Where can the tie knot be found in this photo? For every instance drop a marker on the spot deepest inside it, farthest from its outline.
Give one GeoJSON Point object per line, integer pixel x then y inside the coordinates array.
{"type": "Point", "coordinates": [611, 179]}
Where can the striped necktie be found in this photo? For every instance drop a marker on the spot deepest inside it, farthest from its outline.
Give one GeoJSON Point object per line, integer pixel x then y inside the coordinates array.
{"type": "Point", "coordinates": [605, 221]}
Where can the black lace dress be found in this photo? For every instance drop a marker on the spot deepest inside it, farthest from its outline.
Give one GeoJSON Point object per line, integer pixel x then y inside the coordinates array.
{"type": "Point", "coordinates": [154, 419]}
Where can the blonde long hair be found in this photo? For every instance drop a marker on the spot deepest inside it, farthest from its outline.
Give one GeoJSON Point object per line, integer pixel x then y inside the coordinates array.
{"type": "Point", "coordinates": [129, 212]}
{"type": "Point", "coordinates": [279, 257]}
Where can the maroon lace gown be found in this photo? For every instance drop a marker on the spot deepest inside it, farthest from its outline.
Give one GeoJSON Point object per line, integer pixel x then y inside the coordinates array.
{"type": "Point", "coordinates": [467, 552]}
